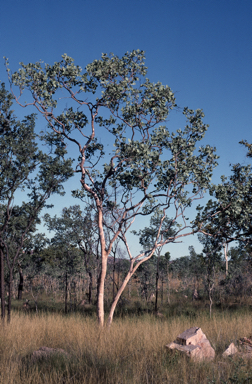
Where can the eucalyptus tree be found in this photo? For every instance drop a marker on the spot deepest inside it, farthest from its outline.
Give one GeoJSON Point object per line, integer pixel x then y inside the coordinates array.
{"type": "Point", "coordinates": [248, 146]}
{"type": "Point", "coordinates": [77, 228]}
{"type": "Point", "coordinates": [240, 269]}
{"type": "Point", "coordinates": [228, 217]}
{"type": "Point", "coordinates": [148, 236]}
{"type": "Point", "coordinates": [164, 263]}
{"type": "Point", "coordinates": [23, 168]}
{"type": "Point", "coordinates": [196, 267]}
{"type": "Point", "coordinates": [129, 161]}
{"type": "Point", "coordinates": [145, 275]}
{"type": "Point", "coordinates": [30, 262]}
{"type": "Point", "coordinates": [66, 264]}
{"type": "Point", "coordinates": [212, 259]}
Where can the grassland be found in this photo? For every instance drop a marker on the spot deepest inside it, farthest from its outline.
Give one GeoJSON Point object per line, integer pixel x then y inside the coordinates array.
{"type": "Point", "coordinates": [132, 351]}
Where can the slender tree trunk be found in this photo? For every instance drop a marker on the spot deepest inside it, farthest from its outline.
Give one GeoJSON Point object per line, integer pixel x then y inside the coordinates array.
{"type": "Point", "coordinates": [118, 295]}
{"type": "Point", "coordinates": [121, 289]}
{"type": "Point", "coordinates": [157, 280]}
{"type": "Point", "coordinates": [75, 296]}
{"type": "Point", "coordinates": [129, 289]}
{"type": "Point", "coordinates": [162, 292]}
{"type": "Point", "coordinates": [168, 285]}
{"type": "Point", "coordinates": [90, 287]}
{"type": "Point", "coordinates": [210, 289]}
{"type": "Point", "coordinates": [113, 294]}
{"type": "Point", "coordinates": [2, 284]}
{"type": "Point", "coordinates": [226, 256]}
{"type": "Point", "coordinates": [100, 299]}
{"type": "Point", "coordinates": [118, 273]}
{"type": "Point", "coordinates": [21, 282]}
{"type": "Point", "coordinates": [10, 294]}
{"type": "Point", "coordinates": [104, 265]}
{"type": "Point", "coordinates": [66, 291]}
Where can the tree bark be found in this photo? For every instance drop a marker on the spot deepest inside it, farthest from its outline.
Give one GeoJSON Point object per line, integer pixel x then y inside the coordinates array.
{"type": "Point", "coordinates": [66, 291]}
{"type": "Point", "coordinates": [10, 294]}
{"type": "Point", "coordinates": [21, 282]}
{"type": "Point", "coordinates": [90, 287]}
{"type": "Point", "coordinates": [168, 285]}
{"type": "Point", "coordinates": [226, 256]}
{"type": "Point", "coordinates": [162, 292]}
{"type": "Point", "coordinates": [100, 298]}
{"type": "Point", "coordinates": [113, 294]}
{"type": "Point", "coordinates": [118, 295]}
{"type": "Point", "coordinates": [104, 264]}
{"type": "Point", "coordinates": [157, 280]}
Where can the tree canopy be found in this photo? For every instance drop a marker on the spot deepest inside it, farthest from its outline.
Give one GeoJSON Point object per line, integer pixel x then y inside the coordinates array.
{"type": "Point", "coordinates": [23, 167]}
{"type": "Point", "coordinates": [144, 165]}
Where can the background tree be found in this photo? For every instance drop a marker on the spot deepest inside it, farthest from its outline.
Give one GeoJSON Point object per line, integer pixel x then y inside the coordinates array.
{"type": "Point", "coordinates": [30, 262]}
{"type": "Point", "coordinates": [117, 267]}
{"type": "Point", "coordinates": [146, 274]}
{"type": "Point", "coordinates": [149, 235]}
{"type": "Point", "coordinates": [165, 269]}
{"type": "Point", "coordinates": [20, 160]}
{"type": "Point", "coordinates": [77, 228]}
{"type": "Point", "coordinates": [180, 268]}
{"type": "Point", "coordinates": [196, 266]}
{"type": "Point", "coordinates": [147, 166]}
{"type": "Point", "coordinates": [68, 262]}
{"type": "Point", "coordinates": [238, 282]}
{"type": "Point", "coordinates": [229, 217]}
{"type": "Point", "coordinates": [213, 262]}
{"type": "Point", "coordinates": [249, 147]}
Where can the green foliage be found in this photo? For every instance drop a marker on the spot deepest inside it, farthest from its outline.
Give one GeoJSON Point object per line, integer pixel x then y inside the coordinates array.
{"type": "Point", "coordinates": [75, 228]}
{"type": "Point", "coordinates": [145, 167]}
{"type": "Point", "coordinates": [20, 159]}
{"type": "Point", "coordinates": [228, 217]}
{"type": "Point", "coordinates": [161, 228]}
{"type": "Point", "coordinates": [136, 107]}
{"type": "Point", "coordinates": [180, 267]}
{"type": "Point", "coordinates": [25, 168]}
{"type": "Point", "coordinates": [18, 149]}
{"type": "Point", "coordinates": [248, 146]}
{"type": "Point", "coordinates": [146, 276]}
{"type": "Point", "coordinates": [211, 253]}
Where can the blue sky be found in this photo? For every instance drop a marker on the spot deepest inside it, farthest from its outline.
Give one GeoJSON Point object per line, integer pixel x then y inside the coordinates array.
{"type": "Point", "coordinates": [201, 49]}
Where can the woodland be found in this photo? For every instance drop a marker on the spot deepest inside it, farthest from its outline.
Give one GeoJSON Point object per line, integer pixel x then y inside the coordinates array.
{"type": "Point", "coordinates": [114, 133]}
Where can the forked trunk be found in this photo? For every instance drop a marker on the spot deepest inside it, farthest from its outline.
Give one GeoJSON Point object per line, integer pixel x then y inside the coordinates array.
{"type": "Point", "coordinates": [123, 286]}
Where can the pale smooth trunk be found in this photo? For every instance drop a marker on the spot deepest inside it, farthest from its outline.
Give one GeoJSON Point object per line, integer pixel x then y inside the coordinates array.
{"type": "Point", "coordinates": [100, 299]}
{"type": "Point", "coordinates": [118, 295]}
{"type": "Point", "coordinates": [104, 261]}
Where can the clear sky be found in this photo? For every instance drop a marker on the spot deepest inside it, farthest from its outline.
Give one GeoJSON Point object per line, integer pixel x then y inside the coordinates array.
{"type": "Point", "coordinates": [201, 48]}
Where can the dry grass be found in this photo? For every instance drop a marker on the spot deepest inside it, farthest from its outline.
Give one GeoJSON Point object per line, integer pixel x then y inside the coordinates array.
{"type": "Point", "coordinates": [132, 351]}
